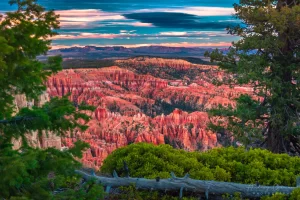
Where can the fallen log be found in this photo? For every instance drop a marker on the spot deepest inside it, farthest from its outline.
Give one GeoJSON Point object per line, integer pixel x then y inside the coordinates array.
{"type": "Point", "coordinates": [187, 184]}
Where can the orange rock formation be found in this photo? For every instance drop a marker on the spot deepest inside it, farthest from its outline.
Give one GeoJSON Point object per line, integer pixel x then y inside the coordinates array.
{"type": "Point", "coordinates": [133, 107]}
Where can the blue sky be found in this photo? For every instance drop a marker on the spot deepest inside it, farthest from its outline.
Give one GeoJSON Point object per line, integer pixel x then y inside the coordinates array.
{"type": "Point", "coordinates": [131, 23]}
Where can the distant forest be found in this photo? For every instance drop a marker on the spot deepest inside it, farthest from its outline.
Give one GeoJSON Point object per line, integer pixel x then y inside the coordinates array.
{"type": "Point", "coordinates": [86, 63]}
{"type": "Point", "coordinates": [94, 63]}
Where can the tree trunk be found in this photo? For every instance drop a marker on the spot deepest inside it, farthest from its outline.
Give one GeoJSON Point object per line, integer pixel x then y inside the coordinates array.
{"type": "Point", "coordinates": [275, 141]}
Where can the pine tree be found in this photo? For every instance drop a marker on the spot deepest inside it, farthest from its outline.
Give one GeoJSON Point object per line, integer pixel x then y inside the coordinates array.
{"type": "Point", "coordinates": [266, 57]}
{"type": "Point", "coordinates": [29, 173]}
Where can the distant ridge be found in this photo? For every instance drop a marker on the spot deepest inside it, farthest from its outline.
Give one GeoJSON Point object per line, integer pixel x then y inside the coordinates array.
{"type": "Point", "coordinates": [100, 63]}
{"type": "Point", "coordinates": [119, 52]}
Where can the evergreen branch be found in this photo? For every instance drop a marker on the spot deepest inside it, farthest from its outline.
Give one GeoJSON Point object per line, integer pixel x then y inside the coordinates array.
{"type": "Point", "coordinates": [14, 120]}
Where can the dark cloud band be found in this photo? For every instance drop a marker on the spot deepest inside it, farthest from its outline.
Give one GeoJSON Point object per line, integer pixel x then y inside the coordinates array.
{"type": "Point", "coordinates": [178, 20]}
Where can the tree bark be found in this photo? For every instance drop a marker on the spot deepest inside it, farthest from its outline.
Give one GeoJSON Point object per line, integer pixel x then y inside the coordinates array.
{"type": "Point", "coordinates": [186, 184]}
{"type": "Point", "coordinates": [274, 141]}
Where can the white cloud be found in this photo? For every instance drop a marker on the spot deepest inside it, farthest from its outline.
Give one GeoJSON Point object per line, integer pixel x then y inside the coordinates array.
{"type": "Point", "coordinates": [194, 34]}
{"type": "Point", "coordinates": [195, 10]}
{"type": "Point", "coordinates": [132, 34]}
{"type": "Point", "coordinates": [135, 24]}
{"type": "Point", "coordinates": [85, 17]}
{"type": "Point", "coordinates": [81, 18]}
{"type": "Point", "coordinates": [173, 33]}
{"type": "Point", "coordinates": [92, 36]}
{"type": "Point", "coordinates": [125, 32]}
{"type": "Point", "coordinates": [180, 44]}
{"type": "Point", "coordinates": [141, 24]}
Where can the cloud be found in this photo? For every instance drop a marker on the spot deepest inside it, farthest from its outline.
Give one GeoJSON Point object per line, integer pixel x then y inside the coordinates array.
{"type": "Point", "coordinates": [141, 24]}
{"type": "Point", "coordinates": [86, 17]}
{"type": "Point", "coordinates": [193, 10]}
{"type": "Point", "coordinates": [92, 36]}
{"type": "Point", "coordinates": [127, 32]}
{"type": "Point", "coordinates": [193, 34]}
{"type": "Point", "coordinates": [90, 18]}
{"type": "Point", "coordinates": [177, 20]}
{"type": "Point", "coordinates": [131, 34]}
{"type": "Point", "coordinates": [180, 44]}
{"type": "Point", "coordinates": [173, 33]}
{"type": "Point", "coordinates": [78, 25]}
{"type": "Point", "coordinates": [135, 24]}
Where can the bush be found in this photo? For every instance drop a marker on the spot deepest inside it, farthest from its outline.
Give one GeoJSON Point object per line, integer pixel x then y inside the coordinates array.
{"type": "Point", "coordinates": [295, 194]}
{"type": "Point", "coordinates": [131, 193]}
{"type": "Point", "coordinates": [220, 164]}
{"type": "Point", "coordinates": [276, 196]}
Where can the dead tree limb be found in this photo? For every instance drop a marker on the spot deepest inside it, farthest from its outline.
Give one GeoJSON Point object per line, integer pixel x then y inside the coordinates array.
{"type": "Point", "coordinates": [197, 186]}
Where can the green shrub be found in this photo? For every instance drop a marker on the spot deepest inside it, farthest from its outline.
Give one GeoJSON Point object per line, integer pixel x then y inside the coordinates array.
{"type": "Point", "coordinates": [131, 193]}
{"type": "Point", "coordinates": [236, 196]}
{"type": "Point", "coordinates": [221, 164]}
{"type": "Point", "coordinates": [276, 196]}
{"type": "Point", "coordinates": [295, 194]}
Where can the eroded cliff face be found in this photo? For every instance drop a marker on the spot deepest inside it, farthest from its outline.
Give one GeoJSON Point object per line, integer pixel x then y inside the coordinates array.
{"type": "Point", "coordinates": [177, 64]}
{"type": "Point", "coordinates": [134, 106]}
{"type": "Point", "coordinates": [34, 139]}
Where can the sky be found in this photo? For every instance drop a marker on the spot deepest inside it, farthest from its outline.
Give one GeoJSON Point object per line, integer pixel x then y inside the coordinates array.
{"type": "Point", "coordinates": [133, 23]}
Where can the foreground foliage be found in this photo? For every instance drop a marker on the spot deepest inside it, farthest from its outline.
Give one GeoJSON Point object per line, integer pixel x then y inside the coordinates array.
{"type": "Point", "coordinates": [37, 174]}
{"type": "Point", "coordinates": [25, 34]}
{"type": "Point", "coordinates": [268, 58]}
{"type": "Point", "coordinates": [221, 164]}
{"type": "Point", "coordinates": [278, 196]}
{"type": "Point", "coordinates": [131, 192]}
{"type": "Point", "coordinates": [29, 173]}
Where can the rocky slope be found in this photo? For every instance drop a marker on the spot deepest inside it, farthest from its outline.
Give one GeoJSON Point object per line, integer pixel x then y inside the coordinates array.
{"type": "Point", "coordinates": [135, 103]}
{"type": "Point", "coordinates": [47, 139]}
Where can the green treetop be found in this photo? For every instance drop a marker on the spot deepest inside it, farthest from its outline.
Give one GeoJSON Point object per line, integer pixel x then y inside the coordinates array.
{"type": "Point", "coordinates": [268, 58]}
{"type": "Point", "coordinates": [25, 34]}
{"type": "Point", "coordinates": [29, 173]}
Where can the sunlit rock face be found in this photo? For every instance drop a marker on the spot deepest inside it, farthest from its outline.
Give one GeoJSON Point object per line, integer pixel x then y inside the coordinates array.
{"type": "Point", "coordinates": [136, 104]}
{"type": "Point", "coordinates": [44, 140]}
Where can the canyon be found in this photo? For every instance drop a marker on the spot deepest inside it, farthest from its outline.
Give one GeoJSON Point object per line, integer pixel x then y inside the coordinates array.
{"type": "Point", "coordinates": [144, 99]}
